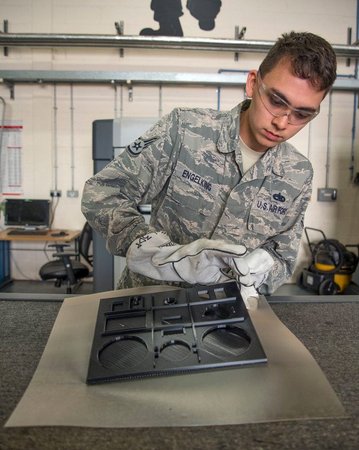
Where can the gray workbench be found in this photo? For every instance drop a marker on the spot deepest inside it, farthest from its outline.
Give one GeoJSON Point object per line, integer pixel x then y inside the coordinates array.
{"type": "Point", "coordinates": [328, 327]}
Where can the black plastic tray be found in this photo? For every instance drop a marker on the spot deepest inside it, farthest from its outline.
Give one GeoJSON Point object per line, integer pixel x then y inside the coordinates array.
{"type": "Point", "coordinates": [172, 332]}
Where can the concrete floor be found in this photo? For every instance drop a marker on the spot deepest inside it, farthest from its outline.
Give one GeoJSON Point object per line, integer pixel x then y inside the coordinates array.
{"type": "Point", "coordinates": [42, 290]}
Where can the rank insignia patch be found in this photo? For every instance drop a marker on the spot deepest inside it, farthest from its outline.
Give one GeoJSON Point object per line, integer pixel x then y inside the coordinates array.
{"type": "Point", "coordinates": [140, 144]}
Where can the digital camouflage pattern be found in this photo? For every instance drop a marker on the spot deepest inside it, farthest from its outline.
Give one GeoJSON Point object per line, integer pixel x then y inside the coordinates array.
{"type": "Point", "coordinates": [189, 168]}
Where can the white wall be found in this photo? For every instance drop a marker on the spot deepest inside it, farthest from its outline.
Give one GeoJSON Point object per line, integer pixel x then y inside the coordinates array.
{"type": "Point", "coordinates": [33, 104]}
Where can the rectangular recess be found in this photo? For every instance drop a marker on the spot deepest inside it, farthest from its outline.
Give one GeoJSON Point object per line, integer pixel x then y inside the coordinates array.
{"type": "Point", "coordinates": [125, 322]}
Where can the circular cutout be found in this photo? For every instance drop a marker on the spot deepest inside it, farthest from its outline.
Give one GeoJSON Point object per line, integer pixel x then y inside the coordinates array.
{"type": "Point", "coordinates": [125, 352]}
{"type": "Point", "coordinates": [226, 341]}
{"type": "Point", "coordinates": [175, 350]}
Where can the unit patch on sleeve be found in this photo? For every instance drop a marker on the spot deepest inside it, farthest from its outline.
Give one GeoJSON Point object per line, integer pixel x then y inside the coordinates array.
{"type": "Point", "coordinates": [140, 144]}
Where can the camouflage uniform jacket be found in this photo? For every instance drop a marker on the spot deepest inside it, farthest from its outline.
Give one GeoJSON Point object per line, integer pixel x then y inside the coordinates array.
{"type": "Point", "coordinates": [188, 166]}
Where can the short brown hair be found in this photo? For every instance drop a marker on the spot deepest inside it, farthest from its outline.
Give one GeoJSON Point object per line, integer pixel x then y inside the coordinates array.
{"type": "Point", "coordinates": [312, 58]}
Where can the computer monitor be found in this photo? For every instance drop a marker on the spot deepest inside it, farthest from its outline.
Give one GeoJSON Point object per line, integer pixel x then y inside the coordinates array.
{"type": "Point", "coordinates": [27, 213]}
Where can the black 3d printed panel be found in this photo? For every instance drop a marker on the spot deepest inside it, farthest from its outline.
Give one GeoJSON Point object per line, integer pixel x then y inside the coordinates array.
{"type": "Point", "coordinates": [172, 332]}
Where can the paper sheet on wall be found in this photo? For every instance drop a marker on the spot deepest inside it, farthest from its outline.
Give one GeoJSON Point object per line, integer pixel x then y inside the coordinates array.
{"type": "Point", "coordinates": [11, 158]}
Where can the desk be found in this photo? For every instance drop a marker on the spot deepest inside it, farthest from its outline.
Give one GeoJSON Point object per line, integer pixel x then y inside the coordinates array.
{"type": "Point", "coordinates": [48, 237]}
{"type": "Point", "coordinates": [6, 239]}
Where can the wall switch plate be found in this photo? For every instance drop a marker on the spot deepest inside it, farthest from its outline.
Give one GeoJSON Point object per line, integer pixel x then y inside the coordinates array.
{"type": "Point", "coordinates": [327, 194]}
{"type": "Point", "coordinates": [72, 194]}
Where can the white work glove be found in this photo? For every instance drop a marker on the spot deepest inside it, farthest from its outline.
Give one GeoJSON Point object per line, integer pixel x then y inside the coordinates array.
{"type": "Point", "coordinates": [249, 295]}
{"type": "Point", "coordinates": [203, 261]}
{"type": "Point", "coordinates": [259, 262]}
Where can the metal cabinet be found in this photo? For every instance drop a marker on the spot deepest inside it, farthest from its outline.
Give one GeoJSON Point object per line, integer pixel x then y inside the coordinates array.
{"type": "Point", "coordinates": [109, 138]}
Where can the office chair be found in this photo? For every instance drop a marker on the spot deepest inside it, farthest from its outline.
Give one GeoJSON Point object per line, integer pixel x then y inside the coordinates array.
{"type": "Point", "coordinates": [67, 267]}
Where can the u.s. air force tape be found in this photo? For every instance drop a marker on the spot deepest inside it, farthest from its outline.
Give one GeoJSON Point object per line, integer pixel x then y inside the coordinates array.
{"type": "Point", "coordinates": [140, 144]}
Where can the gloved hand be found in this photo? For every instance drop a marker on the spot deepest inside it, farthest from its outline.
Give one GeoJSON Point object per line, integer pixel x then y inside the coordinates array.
{"type": "Point", "coordinates": [249, 296]}
{"type": "Point", "coordinates": [259, 262]}
{"type": "Point", "coordinates": [203, 261]}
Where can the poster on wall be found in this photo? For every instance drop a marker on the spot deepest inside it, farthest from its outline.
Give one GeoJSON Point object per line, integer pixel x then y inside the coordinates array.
{"type": "Point", "coordinates": [11, 158]}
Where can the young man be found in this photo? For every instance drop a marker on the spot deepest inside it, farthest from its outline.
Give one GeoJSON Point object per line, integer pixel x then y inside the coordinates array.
{"type": "Point", "coordinates": [228, 193]}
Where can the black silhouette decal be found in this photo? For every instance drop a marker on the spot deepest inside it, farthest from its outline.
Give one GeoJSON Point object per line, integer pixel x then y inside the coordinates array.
{"type": "Point", "coordinates": [168, 12]}
{"type": "Point", "coordinates": [205, 11]}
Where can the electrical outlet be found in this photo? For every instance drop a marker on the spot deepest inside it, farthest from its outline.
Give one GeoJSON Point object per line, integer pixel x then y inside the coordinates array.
{"type": "Point", "coordinates": [327, 194]}
{"type": "Point", "coordinates": [55, 193]}
{"type": "Point", "coordinates": [72, 194]}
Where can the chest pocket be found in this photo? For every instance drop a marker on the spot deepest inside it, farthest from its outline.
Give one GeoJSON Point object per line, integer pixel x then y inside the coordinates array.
{"type": "Point", "coordinates": [270, 212]}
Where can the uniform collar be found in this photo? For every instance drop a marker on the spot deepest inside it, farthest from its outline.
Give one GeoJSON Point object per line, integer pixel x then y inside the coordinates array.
{"type": "Point", "coordinates": [229, 134]}
{"type": "Point", "coordinates": [228, 142]}
{"type": "Point", "coordinates": [273, 161]}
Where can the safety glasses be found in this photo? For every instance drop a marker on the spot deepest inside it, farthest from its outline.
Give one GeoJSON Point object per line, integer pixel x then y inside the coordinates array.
{"type": "Point", "coordinates": [278, 107]}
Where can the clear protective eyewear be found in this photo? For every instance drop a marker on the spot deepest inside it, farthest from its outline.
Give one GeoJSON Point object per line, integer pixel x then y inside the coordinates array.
{"type": "Point", "coordinates": [278, 107]}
